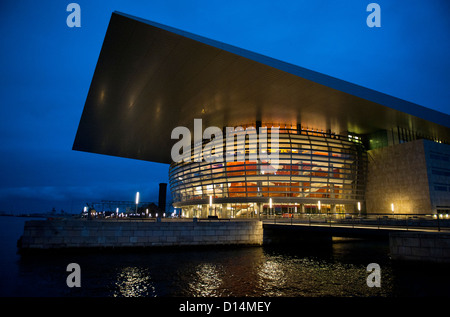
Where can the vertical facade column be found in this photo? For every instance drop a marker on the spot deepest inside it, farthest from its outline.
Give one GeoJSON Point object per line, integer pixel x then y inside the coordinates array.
{"type": "Point", "coordinates": [225, 213]}
{"type": "Point", "coordinates": [187, 211]}
{"type": "Point", "coordinates": [259, 209]}
{"type": "Point", "coordinates": [204, 211]}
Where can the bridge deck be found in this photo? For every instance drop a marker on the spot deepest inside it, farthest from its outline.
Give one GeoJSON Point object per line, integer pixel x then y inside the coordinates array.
{"type": "Point", "coordinates": [350, 229]}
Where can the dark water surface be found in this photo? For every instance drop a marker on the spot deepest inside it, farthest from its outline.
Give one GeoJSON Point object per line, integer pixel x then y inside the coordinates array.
{"type": "Point", "coordinates": [336, 270]}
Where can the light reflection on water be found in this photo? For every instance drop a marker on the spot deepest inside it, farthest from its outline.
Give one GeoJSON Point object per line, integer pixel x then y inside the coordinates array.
{"type": "Point", "coordinates": [289, 275]}
{"type": "Point", "coordinates": [134, 282]}
{"type": "Point", "coordinates": [272, 278]}
{"type": "Point", "coordinates": [273, 272]}
{"type": "Point", "coordinates": [206, 281]}
{"type": "Point", "coordinates": [236, 272]}
{"type": "Point", "coordinates": [240, 272]}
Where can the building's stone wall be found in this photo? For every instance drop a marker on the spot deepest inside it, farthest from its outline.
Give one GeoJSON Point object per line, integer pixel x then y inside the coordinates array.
{"type": "Point", "coordinates": [420, 246]}
{"type": "Point", "coordinates": [53, 234]}
{"type": "Point", "coordinates": [398, 174]}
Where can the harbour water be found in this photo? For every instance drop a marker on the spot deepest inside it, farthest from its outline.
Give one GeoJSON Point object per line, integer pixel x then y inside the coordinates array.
{"type": "Point", "coordinates": [335, 270]}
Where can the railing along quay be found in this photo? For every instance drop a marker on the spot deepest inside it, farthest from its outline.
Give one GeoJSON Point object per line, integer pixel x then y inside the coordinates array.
{"type": "Point", "coordinates": [424, 222]}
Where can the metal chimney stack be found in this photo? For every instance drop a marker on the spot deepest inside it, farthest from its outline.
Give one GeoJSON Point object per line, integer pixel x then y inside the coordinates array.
{"type": "Point", "coordinates": [162, 196]}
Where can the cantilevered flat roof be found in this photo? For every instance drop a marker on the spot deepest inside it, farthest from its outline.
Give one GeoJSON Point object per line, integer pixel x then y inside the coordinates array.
{"type": "Point", "coordinates": [151, 78]}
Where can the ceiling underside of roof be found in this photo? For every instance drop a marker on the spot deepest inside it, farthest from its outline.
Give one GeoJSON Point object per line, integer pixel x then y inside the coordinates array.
{"type": "Point", "coordinates": [150, 79]}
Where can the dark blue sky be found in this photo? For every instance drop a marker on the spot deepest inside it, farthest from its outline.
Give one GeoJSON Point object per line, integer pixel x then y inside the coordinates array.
{"type": "Point", "coordinates": [47, 67]}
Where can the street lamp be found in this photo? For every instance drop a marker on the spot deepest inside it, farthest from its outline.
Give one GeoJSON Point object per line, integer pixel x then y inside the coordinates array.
{"type": "Point", "coordinates": [270, 205]}
{"type": "Point", "coordinates": [137, 200]}
{"type": "Point", "coordinates": [210, 205]}
{"type": "Point", "coordinates": [359, 208]}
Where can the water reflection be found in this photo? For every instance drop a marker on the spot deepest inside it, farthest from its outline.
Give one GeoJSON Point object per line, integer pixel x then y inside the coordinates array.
{"type": "Point", "coordinates": [134, 282]}
{"type": "Point", "coordinates": [255, 272]}
{"type": "Point", "coordinates": [285, 273]}
{"type": "Point", "coordinates": [205, 281]}
{"type": "Point", "coordinates": [271, 277]}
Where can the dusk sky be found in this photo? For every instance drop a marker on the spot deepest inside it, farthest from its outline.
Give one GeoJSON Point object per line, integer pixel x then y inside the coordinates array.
{"type": "Point", "coordinates": [47, 68]}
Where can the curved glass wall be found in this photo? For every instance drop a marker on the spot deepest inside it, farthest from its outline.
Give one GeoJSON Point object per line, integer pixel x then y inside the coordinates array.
{"type": "Point", "coordinates": [317, 172]}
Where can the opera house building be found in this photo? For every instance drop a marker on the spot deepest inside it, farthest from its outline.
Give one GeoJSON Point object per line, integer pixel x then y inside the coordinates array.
{"type": "Point", "coordinates": [340, 147]}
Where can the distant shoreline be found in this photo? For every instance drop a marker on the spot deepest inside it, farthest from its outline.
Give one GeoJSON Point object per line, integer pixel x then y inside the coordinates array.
{"type": "Point", "coordinates": [37, 215]}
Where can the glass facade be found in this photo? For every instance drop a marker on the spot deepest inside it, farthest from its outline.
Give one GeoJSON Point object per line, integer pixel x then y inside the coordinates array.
{"type": "Point", "coordinates": [317, 172]}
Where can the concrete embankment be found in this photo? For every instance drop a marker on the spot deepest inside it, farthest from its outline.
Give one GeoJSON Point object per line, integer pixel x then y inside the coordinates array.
{"type": "Point", "coordinates": [80, 233]}
{"type": "Point", "coordinates": [420, 246]}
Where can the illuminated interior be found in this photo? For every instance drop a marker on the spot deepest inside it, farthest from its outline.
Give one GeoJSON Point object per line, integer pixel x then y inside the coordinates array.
{"type": "Point", "coordinates": [313, 166]}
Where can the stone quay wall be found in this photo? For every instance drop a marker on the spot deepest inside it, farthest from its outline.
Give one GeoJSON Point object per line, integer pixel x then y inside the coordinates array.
{"type": "Point", "coordinates": [79, 233]}
{"type": "Point", "coordinates": [420, 246]}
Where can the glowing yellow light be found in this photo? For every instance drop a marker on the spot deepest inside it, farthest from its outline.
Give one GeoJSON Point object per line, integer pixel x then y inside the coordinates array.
{"type": "Point", "coordinates": [270, 202]}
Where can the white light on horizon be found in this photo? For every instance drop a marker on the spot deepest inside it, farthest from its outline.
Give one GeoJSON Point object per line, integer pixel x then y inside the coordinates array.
{"type": "Point", "coordinates": [137, 198]}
